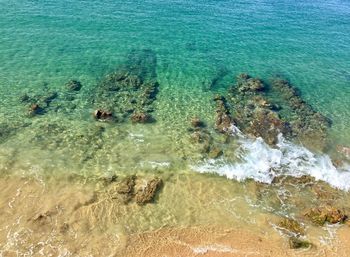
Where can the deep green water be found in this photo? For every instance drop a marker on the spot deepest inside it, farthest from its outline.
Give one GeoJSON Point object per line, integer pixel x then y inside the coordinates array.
{"type": "Point", "coordinates": [51, 42]}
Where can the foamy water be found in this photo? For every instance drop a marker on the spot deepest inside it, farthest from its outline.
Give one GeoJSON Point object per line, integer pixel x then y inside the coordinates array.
{"type": "Point", "coordinates": [261, 162]}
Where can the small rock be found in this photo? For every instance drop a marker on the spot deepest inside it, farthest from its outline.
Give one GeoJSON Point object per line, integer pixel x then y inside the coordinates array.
{"type": "Point", "coordinates": [344, 150]}
{"type": "Point", "coordinates": [35, 109]}
{"type": "Point", "coordinates": [73, 85]}
{"type": "Point", "coordinates": [24, 98]}
{"type": "Point", "coordinates": [218, 98]}
{"type": "Point", "coordinates": [124, 190]}
{"type": "Point", "coordinates": [223, 122]}
{"type": "Point", "coordinates": [215, 153]}
{"type": "Point", "coordinates": [147, 193]}
{"type": "Point", "coordinates": [102, 114]}
{"type": "Point", "coordinates": [297, 243]}
{"type": "Point", "coordinates": [292, 226]}
{"type": "Point", "coordinates": [141, 117]}
{"type": "Point", "coordinates": [196, 122]}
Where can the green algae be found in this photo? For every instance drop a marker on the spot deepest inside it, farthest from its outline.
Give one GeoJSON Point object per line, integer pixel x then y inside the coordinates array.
{"type": "Point", "coordinates": [297, 243]}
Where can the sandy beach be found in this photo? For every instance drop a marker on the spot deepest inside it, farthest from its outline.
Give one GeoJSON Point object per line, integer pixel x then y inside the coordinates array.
{"type": "Point", "coordinates": [70, 218]}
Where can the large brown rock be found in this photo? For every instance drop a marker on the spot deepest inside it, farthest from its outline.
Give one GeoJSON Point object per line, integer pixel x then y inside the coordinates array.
{"type": "Point", "coordinates": [329, 214]}
{"type": "Point", "coordinates": [147, 193]}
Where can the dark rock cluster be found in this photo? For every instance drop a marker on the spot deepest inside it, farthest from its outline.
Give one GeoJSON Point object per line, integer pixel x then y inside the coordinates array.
{"type": "Point", "coordinates": [265, 110]}
{"type": "Point", "coordinates": [202, 137]}
{"type": "Point", "coordinates": [129, 92]}
{"type": "Point", "coordinates": [130, 188]}
{"type": "Point", "coordinates": [46, 100]}
{"type": "Point", "coordinates": [223, 121]}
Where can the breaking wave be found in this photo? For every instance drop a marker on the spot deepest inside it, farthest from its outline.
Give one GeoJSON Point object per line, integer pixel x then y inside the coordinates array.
{"type": "Point", "coordinates": [261, 162]}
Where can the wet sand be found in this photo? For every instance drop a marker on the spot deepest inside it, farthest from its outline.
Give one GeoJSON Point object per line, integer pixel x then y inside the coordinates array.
{"type": "Point", "coordinates": [218, 241]}
{"type": "Point", "coordinates": [77, 218]}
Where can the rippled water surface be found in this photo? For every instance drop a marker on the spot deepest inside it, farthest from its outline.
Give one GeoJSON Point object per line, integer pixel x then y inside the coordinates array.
{"type": "Point", "coordinates": [196, 49]}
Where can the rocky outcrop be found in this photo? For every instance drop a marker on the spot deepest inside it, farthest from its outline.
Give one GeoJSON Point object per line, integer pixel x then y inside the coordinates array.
{"type": "Point", "coordinates": [253, 112]}
{"type": "Point", "coordinates": [326, 214]}
{"type": "Point", "coordinates": [129, 92]}
{"type": "Point", "coordinates": [307, 125]}
{"type": "Point", "coordinates": [265, 110]}
{"type": "Point", "coordinates": [137, 189]}
{"type": "Point", "coordinates": [291, 225]}
{"type": "Point", "coordinates": [224, 121]}
{"type": "Point", "coordinates": [297, 243]}
{"type": "Point", "coordinates": [147, 193]}
{"type": "Point", "coordinates": [73, 85]}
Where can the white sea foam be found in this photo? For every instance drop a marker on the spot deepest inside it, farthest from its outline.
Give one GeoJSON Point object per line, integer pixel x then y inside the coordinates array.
{"type": "Point", "coordinates": [263, 163]}
{"type": "Point", "coordinates": [213, 248]}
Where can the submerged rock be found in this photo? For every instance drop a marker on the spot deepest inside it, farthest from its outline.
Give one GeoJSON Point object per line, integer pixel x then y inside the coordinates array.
{"type": "Point", "coordinates": [215, 153]}
{"type": "Point", "coordinates": [73, 85]}
{"type": "Point", "coordinates": [321, 215]}
{"type": "Point", "coordinates": [35, 109]}
{"type": "Point", "coordinates": [246, 83]}
{"type": "Point", "coordinates": [124, 190]}
{"type": "Point", "coordinates": [141, 117]}
{"type": "Point", "coordinates": [307, 125]}
{"type": "Point", "coordinates": [130, 91]}
{"type": "Point", "coordinates": [224, 121]}
{"type": "Point", "coordinates": [102, 114]}
{"type": "Point", "coordinates": [263, 110]}
{"type": "Point", "coordinates": [291, 225]}
{"type": "Point", "coordinates": [297, 243]}
{"type": "Point", "coordinates": [39, 103]}
{"type": "Point", "coordinates": [344, 150]}
{"type": "Point", "coordinates": [197, 123]}
{"type": "Point", "coordinates": [147, 193]}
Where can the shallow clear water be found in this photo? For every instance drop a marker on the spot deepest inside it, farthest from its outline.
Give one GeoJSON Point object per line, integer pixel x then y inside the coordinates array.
{"type": "Point", "coordinates": [44, 44]}
{"type": "Point", "coordinates": [50, 42]}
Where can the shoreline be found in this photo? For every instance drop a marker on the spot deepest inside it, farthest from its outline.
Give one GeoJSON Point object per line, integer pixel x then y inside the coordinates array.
{"type": "Point", "coordinates": [72, 218]}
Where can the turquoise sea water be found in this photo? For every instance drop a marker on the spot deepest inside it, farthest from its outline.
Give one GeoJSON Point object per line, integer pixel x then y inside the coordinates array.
{"type": "Point", "coordinates": [196, 48]}
{"type": "Point", "coordinates": [195, 42]}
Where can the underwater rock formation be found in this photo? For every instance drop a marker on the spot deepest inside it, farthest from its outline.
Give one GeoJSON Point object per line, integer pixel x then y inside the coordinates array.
{"type": "Point", "coordinates": [344, 150]}
{"type": "Point", "coordinates": [102, 115]}
{"type": "Point", "coordinates": [124, 190]}
{"type": "Point", "coordinates": [223, 121]}
{"type": "Point", "coordinates": [38, 103]}
{"type": "Point", "coordinates": [307, 125]}
{"type": "Point", "coordinates": [134, 188]}
{"type": "Point", "coordinates": [321, 215]}
{"type": "Point", "coordinates": [297, 243]}
{"type": "Point", "coordinates": [263, 110]}
{"type": "Point", "coordinates": [46, 100]}
{"type": "Point", "coordinates": [130, 91]}
{"type": "Point", "coordinates": [253, 112]}
{"type": "Point", "coordinates": [147, 193]}
{"type": "Point", "coordinates": [141, 117]}
{"type": "Point", "coordinates": [246, 83]}
{"type": "Point", "coordinates": [35, 109]}
{"type": "Point", "coordinates": [291, 225]}
{"type": "Point", "coordinates": [73, 85]}
{"type": "Point", "coordinates": [197, 123]}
